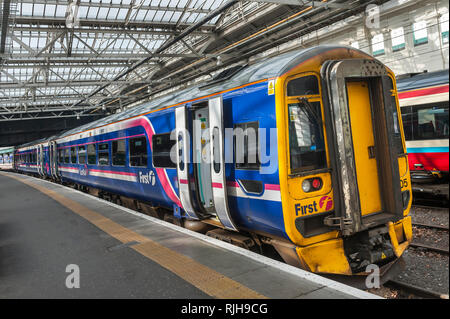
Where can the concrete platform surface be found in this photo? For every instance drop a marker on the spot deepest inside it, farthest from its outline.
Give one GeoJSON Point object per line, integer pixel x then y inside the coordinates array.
{"type": "Point", "coordinates": [50, 233]}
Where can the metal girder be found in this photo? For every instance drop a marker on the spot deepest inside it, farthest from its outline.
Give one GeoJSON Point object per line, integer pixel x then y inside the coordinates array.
{"type": "Point", "coordinates": [4, 23]}
{"type": "Point", "coordinates": [305, 3]}
{"type": "Point", "coordinates": [98, 23]}
{"type": "Point", "coordinates": [40, 116]}
{"type": "Point", "coordinates": [92, 83]}
{"type": "Point", "coordinates": [115, 5]}
{"type": "Point", "coordinates": [106, 55]}
{"type": "Point", "coordinates": [104, 30]}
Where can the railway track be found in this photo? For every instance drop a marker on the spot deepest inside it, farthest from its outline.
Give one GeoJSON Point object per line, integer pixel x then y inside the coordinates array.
{"type": "Point", "coordinates": [429, 247]}
{"type": "Point", "coordinates": [438, 208]}
{"type": "Point", "coordinates": [438, 227]}
{"type": "Point", "coordinates": [415, 290]}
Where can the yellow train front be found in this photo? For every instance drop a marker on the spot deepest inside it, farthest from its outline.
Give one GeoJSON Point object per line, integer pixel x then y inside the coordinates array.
{"type": "Point", "coordinates": [345, 207]}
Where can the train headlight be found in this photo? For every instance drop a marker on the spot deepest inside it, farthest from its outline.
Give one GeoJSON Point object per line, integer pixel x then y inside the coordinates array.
{"type": "Point", "coordinates": [311, 184]}
{"type": "Point", "coordinates": [306, 186]}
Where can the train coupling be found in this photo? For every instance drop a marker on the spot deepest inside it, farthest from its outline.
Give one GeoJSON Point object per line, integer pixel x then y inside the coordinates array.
{"type": "Point", "coordinates": [379, 245]}
{"type": "Point", "coordinates": [369, 247]}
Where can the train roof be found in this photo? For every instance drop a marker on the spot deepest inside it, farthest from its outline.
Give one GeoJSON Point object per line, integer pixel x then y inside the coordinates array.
{"type": "Point", "coordinates": [270, 67]}
{"type": "Point", "coordinates": [417, 81]}
{"type": "Point", "coordinates": [6, 149]}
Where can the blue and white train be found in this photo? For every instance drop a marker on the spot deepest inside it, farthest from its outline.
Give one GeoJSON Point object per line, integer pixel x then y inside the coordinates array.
{"type": "Point", "coordinates": [325, 173]}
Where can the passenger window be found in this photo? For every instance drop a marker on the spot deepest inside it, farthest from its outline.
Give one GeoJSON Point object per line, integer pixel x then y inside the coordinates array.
{"type": "Point", "coordinates": [82, 154]}
{"type": "Point", "coordinates": [103, 154]}
{"type": "Point", "coordinates": [162, 145]}
{"type": "Point", "coordinates": [407, 122]}
{"type": "Point", "coordinates": [92, 157]}
{"type": "Point", "coordinates": [118, 153]}
{"type": "Point", "coordinates": [430, 121]}
{"type": "Point", "coordinates": [246, 145]}
{"type": "Point", "coordinates": [66, 156]}
{"type": "Point", "coordinates": [216, 150]}
{"type": "Point", "coordinates": [61, 156]}
{"type": "Point", "coordinates": [73, 155]}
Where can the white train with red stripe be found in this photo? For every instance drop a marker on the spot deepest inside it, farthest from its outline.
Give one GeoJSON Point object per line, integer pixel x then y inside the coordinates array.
{"type": "Point", "coordinates": [424, 105]}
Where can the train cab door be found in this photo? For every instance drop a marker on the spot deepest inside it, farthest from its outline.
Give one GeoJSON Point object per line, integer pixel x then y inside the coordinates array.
{"type": "Point", "coordinates": [363, 155]}
{"type": "Point", "coordinates": [364, 146]}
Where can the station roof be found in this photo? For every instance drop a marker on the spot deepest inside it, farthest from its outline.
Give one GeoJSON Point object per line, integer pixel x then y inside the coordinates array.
{"type": "Point", "coordinates": [117, 53]}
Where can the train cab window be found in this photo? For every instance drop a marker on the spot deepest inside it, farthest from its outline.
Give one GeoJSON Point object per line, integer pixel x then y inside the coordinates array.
{"type": "Point", "coordinates": [246, 145]}
{"type": "Point", "coordinates": [73, 155]}
{"type": "Point", "coordinates": [91, 154]}
{"type": "Point", "coordinates": [118, 153]}
{"type": "Point", "coordinates": [306, 137]}
{"type": "Point", "coordinates": [398, 144]}
{"type": "Point", "coordinates": [82, 154]}
{"type": "Point", "coordinates": [66, 155]}
{"type": "Point", "coordinates": [162, 145]}
{"type": "Point", "coordinates": [103, 154]}
{"type": "Point", "coordinates": [305, 85]}
{"type": "Point", "coordinates": [306, 141]}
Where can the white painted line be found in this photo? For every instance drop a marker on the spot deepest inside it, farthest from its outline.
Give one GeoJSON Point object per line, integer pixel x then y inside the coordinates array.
{"type": "Point", "coordinates": [351, 291]}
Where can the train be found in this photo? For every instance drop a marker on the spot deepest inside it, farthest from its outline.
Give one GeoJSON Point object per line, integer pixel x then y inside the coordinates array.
{"type": "Point", "coordinates": [424, 105]}
{"type": "Point", "coordinates": [6, 158]}
{"type": "Point", "coordinates": [301, 155]}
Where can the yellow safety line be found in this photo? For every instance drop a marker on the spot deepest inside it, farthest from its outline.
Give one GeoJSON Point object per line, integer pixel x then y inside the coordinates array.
{"type": "Point", "coordinates": [204, 278]}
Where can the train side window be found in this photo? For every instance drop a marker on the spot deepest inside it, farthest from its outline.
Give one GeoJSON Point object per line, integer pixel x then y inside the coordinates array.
{"type": "Point", "coordinates": [305, 85]}
{"type": "Point", "coordinates": [430, 121]}
{"type": "Point", "coordinates": [82, 154]}
{"type": "Point", "coordinates": [246, 145]}
{"type": "Point", "coordinates": [92, 156]}
{"type": "Point", "coordinates": [103, 154]}
{"type": "Point", "coordinates": [73, 155]}
{"type": "Point", "coordinates": [398, 144]}
{"type": "Point", "coordinates": [118, 153]}
{"type": "Point", "coordinates": [407, 122]}
{"type": "Point", "coordinates": [162, 145]}
{"type": "Point", "coordinates": [66, 155]}
{"type": "Point", "coordinates": [61, 155]}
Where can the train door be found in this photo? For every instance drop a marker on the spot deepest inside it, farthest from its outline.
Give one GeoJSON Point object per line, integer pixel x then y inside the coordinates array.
{"type": "Point", "coordinates": [201, 158]}
{"type": "Point", "coordinates": [217, 151]}
{"type": "Point", "coordinates": [53, 159]}
{"type": "Point", "coordinates": [364, 147]}
{"type": "Point", "coordinates": [208, 161]}
{"type": "Point", "coordinates": [40, 159]}
{"type": "Point", "coordinates": [361, 139]}
{"type": "Point", "coordinates": [183, 160]}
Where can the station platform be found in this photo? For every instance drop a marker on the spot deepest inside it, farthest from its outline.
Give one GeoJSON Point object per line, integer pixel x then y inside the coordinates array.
{"type": "Point", "coordinates": [120, 253]}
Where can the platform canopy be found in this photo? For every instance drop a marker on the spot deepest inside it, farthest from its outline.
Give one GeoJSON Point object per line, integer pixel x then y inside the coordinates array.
{"type": "Point", "coordinates": [94, 57]}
